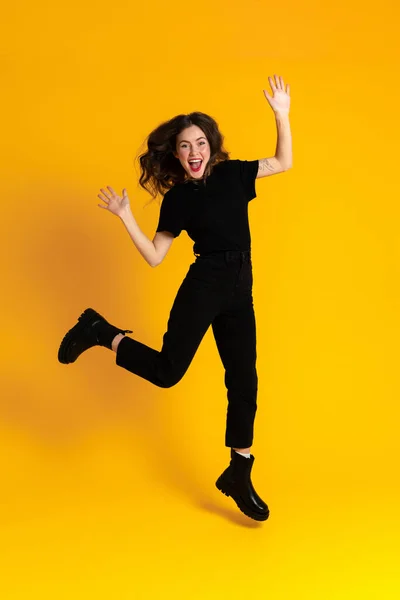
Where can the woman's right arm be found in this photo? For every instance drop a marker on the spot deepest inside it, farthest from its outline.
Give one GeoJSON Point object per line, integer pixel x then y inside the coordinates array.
{"type": "Point", "coordinates": [154, 251]}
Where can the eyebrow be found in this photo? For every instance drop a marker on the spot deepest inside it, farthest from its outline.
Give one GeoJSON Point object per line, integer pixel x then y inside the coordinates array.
{"type": "Point", "coordinates": [200, 138]}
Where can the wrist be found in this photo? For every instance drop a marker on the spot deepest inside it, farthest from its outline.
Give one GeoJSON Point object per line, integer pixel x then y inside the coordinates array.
{"type": "Point", "coordinates": [125, 212]}
{"type": "Point", "coordinates": [282, 116]}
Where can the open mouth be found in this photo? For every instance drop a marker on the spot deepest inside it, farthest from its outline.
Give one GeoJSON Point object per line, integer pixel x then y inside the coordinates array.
{"type": "Point", "coordinates": [195, 165]}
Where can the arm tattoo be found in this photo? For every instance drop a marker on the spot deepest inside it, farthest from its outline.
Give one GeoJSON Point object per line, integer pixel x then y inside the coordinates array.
{"type": "Point", "coordinates": [265, 165]}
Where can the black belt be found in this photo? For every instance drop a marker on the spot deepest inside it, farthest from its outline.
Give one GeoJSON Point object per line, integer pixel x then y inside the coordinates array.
{"type": "Point", "coordinates": [228, 254]}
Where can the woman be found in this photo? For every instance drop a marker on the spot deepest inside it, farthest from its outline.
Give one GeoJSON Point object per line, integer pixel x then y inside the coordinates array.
{"type": "Point", "coordinates": [206, 194]}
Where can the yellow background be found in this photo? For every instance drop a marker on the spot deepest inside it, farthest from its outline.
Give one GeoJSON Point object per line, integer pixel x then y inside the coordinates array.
{"type": "Point", "coordinates": [102, 496]}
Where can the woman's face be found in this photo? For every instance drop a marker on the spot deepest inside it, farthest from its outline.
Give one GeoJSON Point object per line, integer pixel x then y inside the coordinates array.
{"type": "Point", "coordinates": [192, 144]}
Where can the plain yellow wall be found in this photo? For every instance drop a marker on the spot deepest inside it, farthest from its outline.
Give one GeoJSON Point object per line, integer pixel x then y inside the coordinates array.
{"type": "Point", "coordinates": [101, 496]}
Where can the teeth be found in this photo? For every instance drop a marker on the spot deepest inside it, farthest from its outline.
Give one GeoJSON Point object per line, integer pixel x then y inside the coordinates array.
{"type": "Point", "coordinates": [194, 161]}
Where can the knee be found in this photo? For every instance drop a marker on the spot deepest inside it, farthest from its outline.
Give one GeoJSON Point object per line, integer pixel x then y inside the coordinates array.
{"type": "Point", "coordinates": [168, 380]}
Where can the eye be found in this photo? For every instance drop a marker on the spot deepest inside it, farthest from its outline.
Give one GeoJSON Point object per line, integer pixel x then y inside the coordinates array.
{"type": "Point", "coordinates": [185, 145]}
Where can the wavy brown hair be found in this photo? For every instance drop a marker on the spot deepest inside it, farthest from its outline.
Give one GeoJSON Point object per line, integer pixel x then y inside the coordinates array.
{"type": "Point", "coordinates": [160, 169]}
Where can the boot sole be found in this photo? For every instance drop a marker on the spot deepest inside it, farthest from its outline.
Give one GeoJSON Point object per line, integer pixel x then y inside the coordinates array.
{"type": "Point", "coordinates": [241, 505]}
{"type": "Point", "coordinates": [84, 319]}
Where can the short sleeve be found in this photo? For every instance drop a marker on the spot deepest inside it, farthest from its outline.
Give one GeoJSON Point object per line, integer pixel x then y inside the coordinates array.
{"type": "Point", "coordinates": [171, 217]}
{"type": "Point", "coordinates": [248, 170]}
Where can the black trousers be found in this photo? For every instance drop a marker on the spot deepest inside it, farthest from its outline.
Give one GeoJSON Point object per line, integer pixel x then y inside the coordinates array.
{"type": "Point", "coordinates": [216, 291]}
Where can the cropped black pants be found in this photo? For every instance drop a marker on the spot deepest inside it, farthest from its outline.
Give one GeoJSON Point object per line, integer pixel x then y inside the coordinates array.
{"type": "Point", "coordinates": [216, 291]}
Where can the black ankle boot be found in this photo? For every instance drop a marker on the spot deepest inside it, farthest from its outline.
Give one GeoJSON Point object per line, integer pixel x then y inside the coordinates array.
{"type": "Point", "coordinates": [235, 482]}
{"type": "Point", "coordinates": [91, 330]}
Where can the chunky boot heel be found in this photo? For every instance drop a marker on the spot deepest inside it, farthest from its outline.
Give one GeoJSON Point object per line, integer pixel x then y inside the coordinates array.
{"type": "Point", "coordinates": [91, 330]}
{"type": "Point", "coordinates": [235, 482]}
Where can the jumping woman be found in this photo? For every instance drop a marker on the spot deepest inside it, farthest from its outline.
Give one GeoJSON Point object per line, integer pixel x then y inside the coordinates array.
{"type": "Point", "coordinates": [206, 194]}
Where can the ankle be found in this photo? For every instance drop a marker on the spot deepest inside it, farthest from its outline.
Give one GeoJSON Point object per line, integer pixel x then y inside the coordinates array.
{"type": "Point", "coordinates": [116, 341]}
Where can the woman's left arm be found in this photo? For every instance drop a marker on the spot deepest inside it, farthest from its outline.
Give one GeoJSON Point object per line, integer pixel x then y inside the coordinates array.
{"type": "Point", "coordinates": [280, 104]}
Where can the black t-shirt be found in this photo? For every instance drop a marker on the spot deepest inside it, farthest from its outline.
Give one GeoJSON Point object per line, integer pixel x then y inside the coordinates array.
{"type": "Point", "coordinates": [214, 214]}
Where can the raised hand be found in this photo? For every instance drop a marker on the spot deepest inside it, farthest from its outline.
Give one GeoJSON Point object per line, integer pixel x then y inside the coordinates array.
{"type": "Point", "coordinates": [114, 203]}
{"type": "Point", "coordinates": [280, 102]}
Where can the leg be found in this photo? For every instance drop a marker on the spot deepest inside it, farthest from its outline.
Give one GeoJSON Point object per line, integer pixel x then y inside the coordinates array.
{"type": "Point", "coordinates": [235, 334]}
{"type": "Point", "coordinates": [116, 341]}
{"type": "Point", "coordinates": [234, 331]}
{"type": "Point", "coordinates": [193, 311]}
